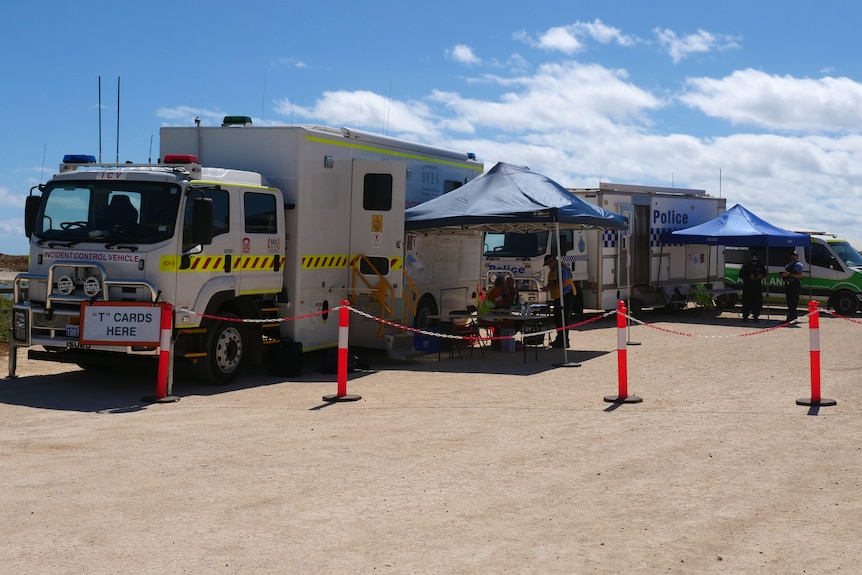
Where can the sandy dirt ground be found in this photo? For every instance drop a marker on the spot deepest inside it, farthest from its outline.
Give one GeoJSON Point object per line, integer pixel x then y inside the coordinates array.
{"type": "Point", "coordinates": [484, 464]}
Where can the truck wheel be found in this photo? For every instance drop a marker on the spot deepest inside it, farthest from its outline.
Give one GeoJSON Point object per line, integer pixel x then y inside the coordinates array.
{"type": "Point", "coordinates": [226, 347]}
{"type": "Point", "coordinates": [845, 303]}
{"type": "Point", "coordinates": [425, 308]}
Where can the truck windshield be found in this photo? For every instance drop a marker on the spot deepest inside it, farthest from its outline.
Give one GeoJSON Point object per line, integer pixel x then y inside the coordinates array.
{"type": "Point", "coordinates": [124, 211]}
{"type": "Point", "coordinates": [515, 244]}
{"type": "Point", "coordinates": [847, 253]}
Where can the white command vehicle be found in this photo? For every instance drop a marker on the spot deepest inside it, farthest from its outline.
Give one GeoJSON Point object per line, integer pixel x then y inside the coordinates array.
{"type": "Point", "coordinates": [292, 221]}
{"type": "Point", "coordinates": [637, 258]}
{"type": "Point", "coordinates": [607, 264]}
{"type": "Point", "coordinates": [832, 276]}
{"type": "Point", "coordinates": [522, 255]}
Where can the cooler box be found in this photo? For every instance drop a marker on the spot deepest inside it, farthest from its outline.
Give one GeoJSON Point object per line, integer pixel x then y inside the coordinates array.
{"type": "Point", "coordinates": [426, 343]}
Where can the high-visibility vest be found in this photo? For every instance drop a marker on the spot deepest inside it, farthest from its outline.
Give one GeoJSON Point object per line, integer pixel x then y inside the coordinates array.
{"type": "Point", "coordinates": [567, 283]}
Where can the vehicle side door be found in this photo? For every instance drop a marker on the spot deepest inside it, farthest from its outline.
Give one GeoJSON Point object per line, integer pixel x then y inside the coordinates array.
{"type": "Point", "coordinates": [204, 270]}
{"type": "Point", "coordinates": [260, 262]}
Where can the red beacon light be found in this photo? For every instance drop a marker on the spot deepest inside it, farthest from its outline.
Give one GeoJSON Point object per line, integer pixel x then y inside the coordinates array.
{"type": "Point", "coordinates": [180, 159]}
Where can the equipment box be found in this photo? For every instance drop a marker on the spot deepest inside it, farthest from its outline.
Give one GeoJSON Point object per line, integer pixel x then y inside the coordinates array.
{"type": "Point", "coordinates": [426, 343]}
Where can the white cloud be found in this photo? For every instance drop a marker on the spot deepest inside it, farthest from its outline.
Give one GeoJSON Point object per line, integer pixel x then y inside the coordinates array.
{"type": "Point", "coordinates": [603, 33]}
{"type": "Point", "coordinates": [289, 62]}
{"type": "Point", "coordinates": [367, 110]}
{"type": "Point", "coordinates": [557, 97]}
{"type": "Point", "coordinates": [12, 236]}
{"type": "Point", "coordinates": [12, 200]}
{"type": "Point", "coordinates": [13, 230]}
{"type": "Point", "coordinates": [464, 54]}
{"type": "Point", "coordinates": [561, 38]}
{"type": "Point", "coordinates": [751, 97]}
{"type": "Point", "coordinates": [700, 42]}
{"type": "Point", "coordinates": [570, 39]}
{"type": "Point", "coordinates": [584, 123]}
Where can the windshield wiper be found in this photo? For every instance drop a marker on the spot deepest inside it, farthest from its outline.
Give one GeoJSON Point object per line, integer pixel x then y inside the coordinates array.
{"type": "Point", "coordinates": [121, 247]}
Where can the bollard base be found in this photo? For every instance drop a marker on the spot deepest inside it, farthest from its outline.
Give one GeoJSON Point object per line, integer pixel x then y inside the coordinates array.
{"type": "Point", "coordinates": [626, 399]}
{"type": "Point", "coordinates": [822, 402]}
{"type": "Point", "coordinates": [335, 397]}
{"type": "Point", "coordinates": [166, 399]}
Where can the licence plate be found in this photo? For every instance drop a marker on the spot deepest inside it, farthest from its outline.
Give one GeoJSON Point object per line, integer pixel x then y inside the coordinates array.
{"type": "Point", "coordinates": [72, 331]}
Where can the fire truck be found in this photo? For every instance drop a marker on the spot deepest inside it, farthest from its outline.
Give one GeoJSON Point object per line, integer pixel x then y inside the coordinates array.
{"type": "Point", "coordinates": [252, 235]}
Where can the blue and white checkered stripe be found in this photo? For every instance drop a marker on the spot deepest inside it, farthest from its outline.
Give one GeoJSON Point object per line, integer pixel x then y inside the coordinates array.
{"type": "Point", "coordinates": [655, 235]}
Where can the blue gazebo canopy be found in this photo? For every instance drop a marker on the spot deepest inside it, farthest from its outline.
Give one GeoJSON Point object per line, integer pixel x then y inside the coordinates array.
{"type": "Point", "coordinates": [737, 227]}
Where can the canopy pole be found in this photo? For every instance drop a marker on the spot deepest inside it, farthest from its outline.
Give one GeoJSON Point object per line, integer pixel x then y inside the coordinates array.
{"type": "Point", "coordinates": [709, 264]}
{"type": "Point", "coordinates": [768, 306]}
{"type": "Point", "coordinates": [628, 244]}
{"type": "Point", "coordinates": [562, 310]}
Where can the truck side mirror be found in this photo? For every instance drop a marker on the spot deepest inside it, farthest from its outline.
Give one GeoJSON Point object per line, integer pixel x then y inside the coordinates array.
{"type": "Point", "coordinates": [31, 212]}
{"type": "Point", "coordinates": [202, 221]}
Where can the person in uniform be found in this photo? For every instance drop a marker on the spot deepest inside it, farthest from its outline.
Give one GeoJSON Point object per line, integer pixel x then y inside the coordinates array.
{"type": "Point", "coordinates": [752, 273]}
{"type": "Point", "coordinates": [792, 275]}
{"type": "Point", "coordinates": [563, 303]}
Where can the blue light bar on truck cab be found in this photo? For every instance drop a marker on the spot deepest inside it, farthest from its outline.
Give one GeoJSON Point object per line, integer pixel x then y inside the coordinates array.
{"type": "Point", "coordinates": [180, 159]}
{"type": "Point", "coordinates": [79, 159]}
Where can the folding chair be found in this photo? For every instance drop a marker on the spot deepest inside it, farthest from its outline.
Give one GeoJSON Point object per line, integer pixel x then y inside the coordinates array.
{"type": "Point", "coordinates": [703, 301]}
{"type": "Point", "coordinates": [466, 327]}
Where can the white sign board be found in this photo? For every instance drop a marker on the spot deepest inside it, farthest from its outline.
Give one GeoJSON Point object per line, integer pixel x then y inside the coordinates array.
{"type": "Point", "coordinates": [120, 323]}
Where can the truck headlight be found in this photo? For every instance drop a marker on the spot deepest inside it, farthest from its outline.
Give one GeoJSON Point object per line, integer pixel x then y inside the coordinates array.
{"type": "Point", "coordinates": [20, 326]}
{"type": "Point", "coordinates": [92, 287]}
{"type": "Point", "coordinates": [65, 285]}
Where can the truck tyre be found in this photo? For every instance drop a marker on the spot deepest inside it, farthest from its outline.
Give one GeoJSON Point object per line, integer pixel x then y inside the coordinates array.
{"type": "Point", "coordinates": [226, 348]}
{"type": "Point", "coordinates": [845, 303]}
{"type": "Point", "coordinates": [425, 308]}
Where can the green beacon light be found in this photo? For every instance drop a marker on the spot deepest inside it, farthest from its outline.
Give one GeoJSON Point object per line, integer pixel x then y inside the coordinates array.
{"type": "Point", "coordinates": [236, 121]}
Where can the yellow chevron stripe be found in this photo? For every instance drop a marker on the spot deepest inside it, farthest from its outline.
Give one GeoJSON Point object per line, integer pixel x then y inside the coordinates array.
{"type": "Point", "coordinates": [396, 263]}
{"type": "Point", "coordinates": [210, 264]}
{"type": "Point", "coordinates": [324, 261]}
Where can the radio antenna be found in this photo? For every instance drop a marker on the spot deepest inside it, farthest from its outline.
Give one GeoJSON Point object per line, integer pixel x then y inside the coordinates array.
{"type": "Point", "coordinates": [150, 156]}
{"type": "Point", "coordinates": [100, 119]}
{"type": "Point", "coordinates": [42, 175]}
{"type": "Point", "coordinates": [388, 108]}
{"type": "Point", "coordinates": [263, 97]}
{"type": "Point", "coordinates": [118, 120]}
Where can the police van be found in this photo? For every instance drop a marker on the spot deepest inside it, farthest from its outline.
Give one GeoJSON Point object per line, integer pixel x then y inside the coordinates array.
{"type": "Point", "coordinates": [833, 272]}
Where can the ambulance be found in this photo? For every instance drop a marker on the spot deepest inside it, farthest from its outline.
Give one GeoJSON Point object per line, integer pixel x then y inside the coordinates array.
{"type": "Point", "coordinates": [833, 272]}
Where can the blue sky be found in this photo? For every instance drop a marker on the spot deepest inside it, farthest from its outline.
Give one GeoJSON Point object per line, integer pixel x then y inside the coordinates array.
{"type": "Point", "coordinates": [757, 101]}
